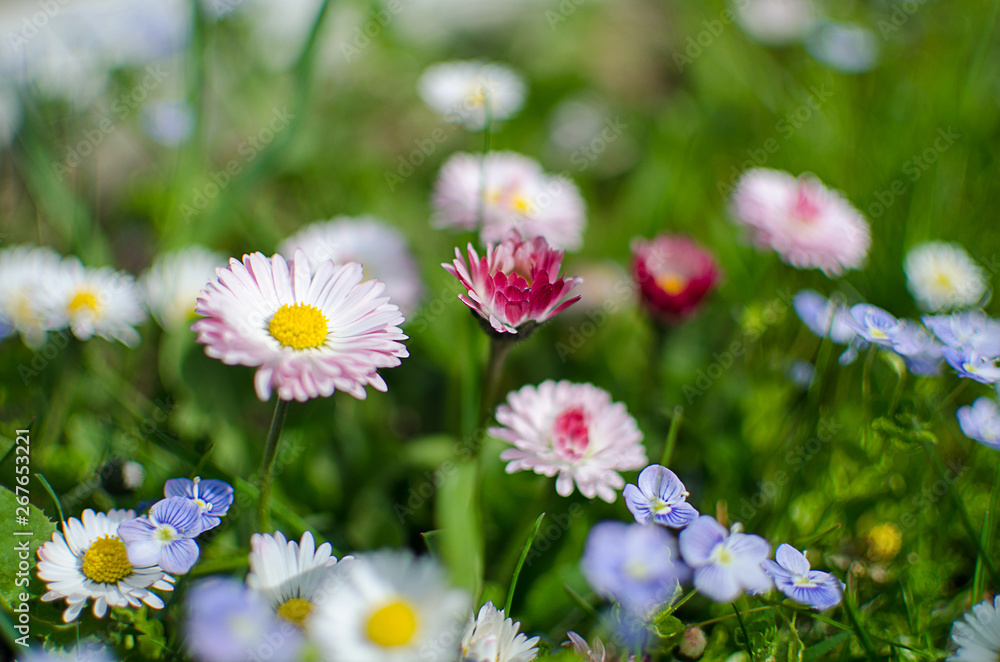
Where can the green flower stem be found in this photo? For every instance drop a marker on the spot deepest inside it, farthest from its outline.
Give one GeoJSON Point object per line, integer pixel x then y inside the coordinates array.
{"type": "Point", "coordinates": [675, 427]}
{"type": "Point", "coordinates": [499, 349]}
{"type": "Point", "coordinates": [862, 634]}
{"type": "Point", "coordinates": [746, 634]}
{"type": "Point", "coordinates": [267, 467]}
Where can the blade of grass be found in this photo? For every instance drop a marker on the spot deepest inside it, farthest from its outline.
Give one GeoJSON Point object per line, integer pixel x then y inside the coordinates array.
{"type": "Point", "coordinates": [675, 428]}
{"type": "Point", "coordinates": [520, 562]}
{"type": "Point", "coordinates": [986, 539]}
{"type": "Point", "coordinates": [52, 494]}
{"type": "Point", "coordinates": [859, 630]}
{"type": "Point", "coordinates": [746, 634]}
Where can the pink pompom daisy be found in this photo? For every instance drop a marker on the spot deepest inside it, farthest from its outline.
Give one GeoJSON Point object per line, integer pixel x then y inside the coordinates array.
{"type": "Point", "coordinates": [807, 224]}
{"type": "Point", "coordinates": [509, 192]}
{"type": "Point", "coordinates": [573, 430]}
{"type": "Point", "coordinates": [516, 285]}
{"type": "Point", "coordinates": [308, 333]}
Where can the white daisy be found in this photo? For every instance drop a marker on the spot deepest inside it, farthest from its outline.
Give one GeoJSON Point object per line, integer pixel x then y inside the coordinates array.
{"type": "Point", "coordinates": [493, 638]}
{"type": "Point", "coordinates": [289, 574]}
{"type": "Point", "coordinates": [93, 302]}
{"type": "Point", "coordinates": [390, 607]}
{"type": "Point", "coordinates": [24, 271]}
{"type": "Point", "coordinates": [508, 192]}
{"type": "Point", "coordinates": [89, 561]}
{"type": "Point", "coordinates": [941, 276]}
{"type": "Point", "coordinates": [461, 91]}
{"type": "Point", "coordinates": [308, 333]}
{"type": "Point", "coordinates": [171, 285]}
{"type": "Point", "coordinates": [380, 248]}
{"type": "Point", "coordinates": [573, 430]}
{"type": "Point", "coordinates": [978, 637]}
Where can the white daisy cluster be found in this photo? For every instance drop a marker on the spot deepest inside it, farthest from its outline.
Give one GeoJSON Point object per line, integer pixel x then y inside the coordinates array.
{"type": "Point", "coordinates": [40, 291]}
{"type": "Point", "coordinates": [376, 607]}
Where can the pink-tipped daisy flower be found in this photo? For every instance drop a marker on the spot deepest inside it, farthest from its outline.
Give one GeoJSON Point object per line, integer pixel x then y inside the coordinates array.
{"type": "Point", "coordinates": [308, 333]}
{"type": "Point", "coordinates": [516, 285]}
{"type": "Point", "coordinates": [807, 224]}
{"type": "Point", "coordinates": [509, 192]}
{"type": "Point", "coordinates": [573, 430]}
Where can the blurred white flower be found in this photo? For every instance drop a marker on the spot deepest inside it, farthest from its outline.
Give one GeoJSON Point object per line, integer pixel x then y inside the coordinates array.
{"type": "Point", "coordinates": [171, 285]}
{"type": "Point", "coordinates": [776, 22]}
{"type": "Point", "coordinates": [380, 248]}
{"type": "Point", "coordinates": [508, 192]}
{"type": "Point", "coordinates": [941, 276]}
{"type": "Point", "coordinates": [463, 91]}
{"type": "Point", "coordinates": [93, 302]}
{"type": "Point", "coordinates": [67, 52]}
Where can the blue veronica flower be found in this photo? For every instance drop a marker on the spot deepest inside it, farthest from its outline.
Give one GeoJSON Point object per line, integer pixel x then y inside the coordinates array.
{"type": "Point", "coordinates": [823, 317]}
{"type": "Point", "coordinates": [724, 564]}
{"type": "Point", "coordinates": [972, 365]}
{"type": "Point", "coordinates": [227, 622]}
{"type": "Point", "coordinates": [164, 536]}
{"type": "Point", "coordinates": [636, 565]}
{"type": "Point", "coordinates": [213, 497]}
{"type": "Point", "coordinates": [981, 421]}
{"type": "Point", "coordinates": [872, 324]}
{"type": "Point", "coordinates": [966, 330]}
{"type": "Point", "coordinates": [918, 348]}
{"type": "Point", "coordinates": [660, 497]}
{"type": "Point", "coordinates": [793, 576]}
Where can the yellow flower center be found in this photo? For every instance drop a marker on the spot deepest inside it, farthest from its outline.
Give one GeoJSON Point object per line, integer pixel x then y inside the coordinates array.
{"type": "Point", "coordinates": [106, 561]}
{"type": "Point", "coordinates": [296, 610]}
{"type": "Point", "coordinates": [521, 205]}
{"type": "Point", "coordinates": [670, 283]}
{"type": "Point", "coordinates": [83, 302]}
{"type": "Point", "coordinates": [300, 326]}
{"type": "Point", "coordinates": [942, 281]}
{"type": "Point", "coordinates": [392, 625]}
{"type": "Point", "coordinates": [478, 96]}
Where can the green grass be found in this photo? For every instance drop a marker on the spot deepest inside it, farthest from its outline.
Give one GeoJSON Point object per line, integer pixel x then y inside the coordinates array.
{"type": "Point", "coordinates": [817, 468]}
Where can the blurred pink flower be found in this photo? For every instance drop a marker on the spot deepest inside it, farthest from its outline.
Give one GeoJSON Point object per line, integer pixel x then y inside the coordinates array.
{"type": "Point", "coordinates": [573, 430]}
{"type": "Point", "coordinates": [674, 274]}
{"type": "Point", "coordinates": [508, 192]}
{"type": "Point", "coordinates": [308, 333]}
{"type": "Point", "coordinates": [516, 285]}
{"type": "Point", "coordinates": [807, 224]}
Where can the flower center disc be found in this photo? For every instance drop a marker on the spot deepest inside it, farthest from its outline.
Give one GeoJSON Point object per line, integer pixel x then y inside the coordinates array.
{"type": "Point", "coordinates": [106, 561]}
{"type": "Point", "coordinates": [671, 283]}
{"type": "Point", "coordinates": [571, 433]}
{"type": "Point", "coordinates": [300, 326]}
{"type": "Point", "coordinates": [296, 610]}
{"type": "Point", "coordinates": [83, 302]}
{"type": "Point", "coordinates": [392, 625]}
